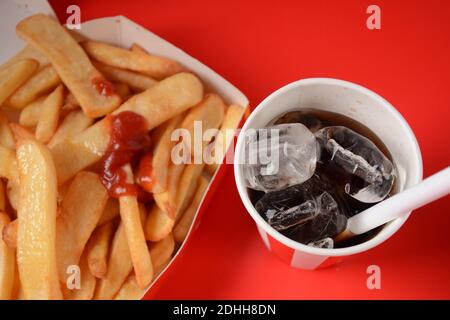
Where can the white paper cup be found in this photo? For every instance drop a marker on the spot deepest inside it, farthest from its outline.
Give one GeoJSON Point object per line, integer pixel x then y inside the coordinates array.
{"type": "Point", "coordinates": [353, 101]}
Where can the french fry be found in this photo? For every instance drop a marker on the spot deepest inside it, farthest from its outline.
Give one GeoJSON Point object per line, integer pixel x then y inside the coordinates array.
{"type": "Point", "coordinates": [81, 209]}
{"type": "Point", "coordinates": [36, 254]}
{"type": "Point", "coordinates": [12, 115]}
{"type": "Point", "coordinates": [165, 99]}
{"type": "Point", "coordinates": [30, 115]}
{"type": "Point", "coordinates": [71, 62]}
{"type": "Point", "coordinates": [74, 123]}
{"type": "Point", "coordinates": [44, 81]}
{"type": "Point", "coordinates": [6, 136]}
{"type": "Point", "coordinates": [187, 186]}
{"type": "Point", "coordinates": [2, 196]}
{"type": "Point", "coordinates": [162, 266]}
{"type": "Point", "coordinates": [153, 66]}
{"type": "Point", "coordinates": [223, 140]}
{"type": "Point", "coordinates": [8, 164]}
{"type": "Point", "coordinates": [160, 159]}
{"type": "Point", "coordinates": [130, 290]}
{"type": "Point", "coordinates": [9, 170]}
{"type": "Point", "coordinates": [87, 284]}
{"type": "Point", "coordinates": [123, 90]}
{"type": "Point", "coordinates": [21, 294]}
{"type": "Point", "coordinates": [20, 132]}
{"type": "Point", "coordinates": [184, 224]}
{"type": "Point", "coordinates": [7, 263]}
{"type": "Point", "coordinates": [158, 104]}
{"type": "Point", "coordinates": [110, 212]}
{"type": "Point", "coordinates": [166, 199]}
{"type": "Point", "coordinates": [81, 151]}
{"type": "Point", "coordinates": [9, 233]}
{"type": "Point", "coordinates": [97, 250]}
{"type": "Point", "coordinates": [138, 82]}
{"type": "Point", "coordinates": [13, 192]}
{"type": "Point", "coordinates": [161, 252]}
{"type": "Point", "coordinates": [158, 224]}
{"type": "Point", "coordinates": [13, 185]}
{"type": "Point", "coordinates": [16, 285]}
{"type": "Point", "coordinates": [162, 153]}
{"type": "Point", "coordinates": [12, 77]}
{"type": "Point", "coordinates": [130, 215]}
{"type": "Point", "coordinates": [62, 191]}
{"type": "Point", "coordinates": [48, 121]}
{"type": "Point", "coordinates": [137, 48]}
{"type": "Point", "coordinates": [28, 52]}
{"type": "Point", "coordinates": [119, 266]}
{"type": "Point", "coordinates": [208, 114]}
{"type": "Point", "coordinates": [70, 103]}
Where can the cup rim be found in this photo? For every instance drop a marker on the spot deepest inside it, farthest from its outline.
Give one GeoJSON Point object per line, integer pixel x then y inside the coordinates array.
{"type": "Point", "coordinates": [387, 231]}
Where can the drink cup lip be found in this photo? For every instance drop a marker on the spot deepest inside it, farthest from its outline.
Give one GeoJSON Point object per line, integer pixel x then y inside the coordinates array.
{"type": "Point", "coordinates": [386, 232]}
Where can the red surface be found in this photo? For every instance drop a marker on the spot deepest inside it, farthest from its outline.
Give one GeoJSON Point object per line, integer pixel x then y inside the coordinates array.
{"type": "Point", "coordinates": [260, 46]}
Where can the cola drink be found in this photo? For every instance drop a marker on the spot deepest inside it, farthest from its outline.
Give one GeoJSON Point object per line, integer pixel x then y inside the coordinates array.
{"type": "Point", "coordinates": [348, 171]}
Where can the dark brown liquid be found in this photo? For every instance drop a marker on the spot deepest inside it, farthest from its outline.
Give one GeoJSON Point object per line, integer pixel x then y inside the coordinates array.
{"type": "Point", "coordinates": [328, 171]}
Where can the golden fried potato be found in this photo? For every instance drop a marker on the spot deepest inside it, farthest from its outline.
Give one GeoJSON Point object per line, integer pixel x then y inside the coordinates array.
{"type": "Point", "coordinates": [44, 81]}
{"type": "Point", "coordinates": [9, 233]}
{"type": "Point", "coordinates": [130, 290]}
{"type": "Point", "coordinates": [30, 115]}
{"type": "Point", "coordinates": [12, 77]}
{"type": "Point", "coordinates": [207, 115]}
{"type": "Point", "coordinates": [158, 224]}
{"type": "Point", "coordinates": [184, 224]}
{"type": "Point", "coordinates": [130, 215]}
{"type": "Point", "coordinates": [138, 82]}
{"type": "Point", "coordinates": [225, 137]}
{"type": "Point", "coordinates": [161, 252]}
{"type": "Point", "coordinates": [87, 284]}
{"type": "Point", "coordinates": [81, 209]}
{"type": "Point", "coordinates": [73, 124]}
{"type": "Point", "coordinates": [72, 64]}
{"type": "Point", "coordinates": [153, 66]}
{"type": "Point", "coordinates": [6, 136]}
{"type": "Point", "coordinates": [36, 254]}
{"type": "Point", "coordinates": [98, 249]}
{"type": "Point", "coordinates": [119, 267]}
{"type": "Point", "coordinates": [137, 48]}
{"type": "Point", "coordinates": [48, 121]}
{"type": "Point", "coordinates": [28, 52]}
{"type": "Point", "coordinates": [7, 263]}
{"type": "Point", "coordinates": [110, 212]}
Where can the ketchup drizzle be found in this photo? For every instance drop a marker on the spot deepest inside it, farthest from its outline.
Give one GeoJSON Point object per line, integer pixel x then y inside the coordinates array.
{"type": "Point", "coordinates": [128, 139]}
{"type": "Point", "coordinates": [103, 86]}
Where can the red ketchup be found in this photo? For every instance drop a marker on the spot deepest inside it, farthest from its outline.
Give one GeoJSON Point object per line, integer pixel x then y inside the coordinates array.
{"type": "Point", "coordinates": [103, 86]}
{"type": "Point", "coordinates": [129, 139]}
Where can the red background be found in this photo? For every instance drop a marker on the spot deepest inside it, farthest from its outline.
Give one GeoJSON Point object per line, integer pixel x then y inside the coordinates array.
{"type": "Point", "coordinates": [260, 46]}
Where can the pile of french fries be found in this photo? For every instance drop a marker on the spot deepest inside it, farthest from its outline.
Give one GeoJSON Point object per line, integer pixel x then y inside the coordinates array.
{"type": "Point", "coordinates": [57, 220]}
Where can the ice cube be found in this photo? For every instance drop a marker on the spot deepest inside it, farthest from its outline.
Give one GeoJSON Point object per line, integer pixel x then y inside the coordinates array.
{"type": "Point", "coordinates": [312, 122]}
{"type": "Point", "coordinates": [372, 172]}
{"type": "Point", "coordinates": [305, 212]}
{"type": "Point", "coordinates": [330, 220]}
{"type": "Point", "coordinates": [279, 156]}
{"type": "Point", "coordinates": [285, 219]}
{"type": "Point", "coordinates": [326, 243]}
